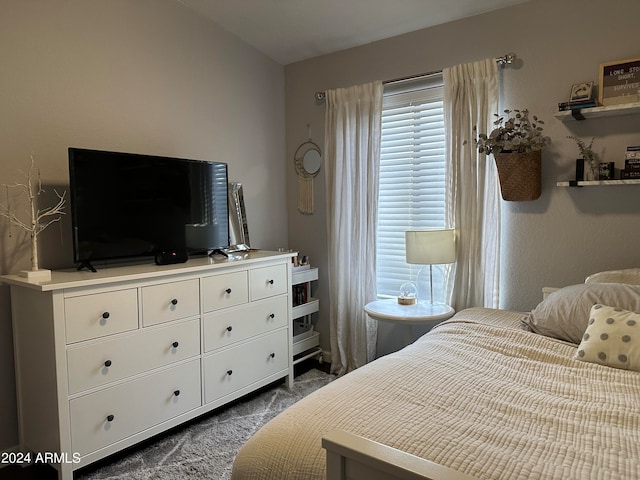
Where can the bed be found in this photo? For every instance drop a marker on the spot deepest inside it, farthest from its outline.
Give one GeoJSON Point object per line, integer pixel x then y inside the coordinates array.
{"type": "Point", "coordinates": [488, 394]}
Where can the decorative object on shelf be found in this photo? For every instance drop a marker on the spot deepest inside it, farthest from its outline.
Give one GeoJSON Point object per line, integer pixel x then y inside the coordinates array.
{"type": "Point", "coordinates": [581, 92]}
{"type": "Point", "coordinates": [581, 96]}
{"type": "Point", "coordinates": [590, 170]}
{"type": "Point", "coordinates": [408, 294]}
{"type": "Point", "coordinates": [38, 219]}
{"type": "Point", "coordinates": [516, 144]}
{"type": "Point", "coordinates": [429, 247]}
{"type": "Point", "coordinates": [620, 82]}
{"type": "Point", "coordinates": [307, 161]}
{"type": "Point", "coordinates": [606, 171]}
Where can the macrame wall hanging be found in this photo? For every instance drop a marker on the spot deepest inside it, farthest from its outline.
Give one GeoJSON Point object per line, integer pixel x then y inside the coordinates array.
{"type": "Point", "coordinates": [307, 161]}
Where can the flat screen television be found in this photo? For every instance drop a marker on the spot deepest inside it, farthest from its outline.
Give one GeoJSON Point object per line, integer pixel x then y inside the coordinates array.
{"type": "Point", "coordinates": [126, 205]}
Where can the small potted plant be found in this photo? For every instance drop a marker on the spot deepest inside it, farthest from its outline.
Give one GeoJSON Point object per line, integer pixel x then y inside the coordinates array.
{"type": "Point", "coordinates": [516, 144]}
{"type": "Point", "coordinates": [589, 157]}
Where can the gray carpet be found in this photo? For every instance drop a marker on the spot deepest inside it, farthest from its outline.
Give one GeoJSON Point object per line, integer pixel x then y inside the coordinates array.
{"type": "Point", "coordinates": [205, 449]}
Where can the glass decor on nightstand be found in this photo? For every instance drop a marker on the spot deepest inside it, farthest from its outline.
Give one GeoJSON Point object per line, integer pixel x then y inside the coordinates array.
{"type": "Point", "coordinates": [408, 294]}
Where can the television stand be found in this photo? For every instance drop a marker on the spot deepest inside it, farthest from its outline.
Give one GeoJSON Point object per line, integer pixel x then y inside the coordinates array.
{"type": "Point", "coordinates": [86, 264]}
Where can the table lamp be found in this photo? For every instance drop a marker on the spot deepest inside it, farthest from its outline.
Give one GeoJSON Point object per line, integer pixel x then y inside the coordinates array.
{"type": "Point", "coordinates": [430, 247]}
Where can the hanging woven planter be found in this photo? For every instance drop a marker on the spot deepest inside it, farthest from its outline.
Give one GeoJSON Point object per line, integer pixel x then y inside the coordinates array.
{"type": "Point", "coordinates": [520, 175]}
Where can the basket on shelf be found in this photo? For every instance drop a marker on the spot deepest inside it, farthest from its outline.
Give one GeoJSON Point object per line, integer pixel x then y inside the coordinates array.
{"type": "Point", "coordinates": [520, 175]}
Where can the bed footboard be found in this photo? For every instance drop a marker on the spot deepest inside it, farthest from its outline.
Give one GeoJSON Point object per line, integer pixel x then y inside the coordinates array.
{"type": "Point", "coordinates": [351, 457]}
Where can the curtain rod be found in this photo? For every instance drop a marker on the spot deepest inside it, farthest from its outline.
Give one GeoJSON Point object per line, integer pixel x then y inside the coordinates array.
{"type": "Point", "coordinates": [503, 61]}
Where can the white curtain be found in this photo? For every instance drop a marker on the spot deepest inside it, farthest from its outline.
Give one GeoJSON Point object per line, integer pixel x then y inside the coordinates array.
{"type": "Point", "coordinates": [471, 99]}
{"type": "Point", "coordinates": [352, 151]}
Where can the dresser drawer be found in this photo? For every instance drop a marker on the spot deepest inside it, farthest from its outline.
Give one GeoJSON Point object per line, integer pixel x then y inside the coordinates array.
{"type": "Point", "coordinates": [268, 281]}
{"type": "Point", "coordinates": [98, 363]}
{"type": "Point", "coordinates": [240, 366]}
{"type": "Point", "coordinates": [227, 290]}
{"type": "Point", "coordinates": [112, 414]}
{"type": "Point", "coordinates": [170, 301]}
{"type": "Point", "coordinates": [231, 326]}
{"type": "Point", "coordinates": [100, 314]}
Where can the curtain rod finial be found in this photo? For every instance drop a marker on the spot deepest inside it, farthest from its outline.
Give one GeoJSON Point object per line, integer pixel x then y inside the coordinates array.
{"type": "Point", "coordinates": [507, 59]}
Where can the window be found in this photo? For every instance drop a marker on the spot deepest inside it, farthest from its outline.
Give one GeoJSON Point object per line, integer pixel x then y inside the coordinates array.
{"type": "Point", "coordinates": [412, 178]}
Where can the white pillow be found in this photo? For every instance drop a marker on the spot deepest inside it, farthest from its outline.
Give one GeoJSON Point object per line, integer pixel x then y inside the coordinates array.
{"type": "Point", "coordinates": [612, 338]}
{"type": "Point", "coordinates": [629, 275]}
{"type": "Point", "coordinates": [564, 313]}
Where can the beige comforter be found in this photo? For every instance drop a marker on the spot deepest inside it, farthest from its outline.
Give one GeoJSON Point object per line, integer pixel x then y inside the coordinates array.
{"type": "Point", "coordinates": [477, 394]}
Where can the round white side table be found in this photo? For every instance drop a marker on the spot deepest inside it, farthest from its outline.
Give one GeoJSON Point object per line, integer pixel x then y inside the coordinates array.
{"type": "Point", "coordinates": [389, 310]}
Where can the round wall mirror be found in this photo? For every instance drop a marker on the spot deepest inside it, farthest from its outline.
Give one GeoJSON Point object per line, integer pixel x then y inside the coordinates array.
{"type": "Point", "coordinates": [311, 161]}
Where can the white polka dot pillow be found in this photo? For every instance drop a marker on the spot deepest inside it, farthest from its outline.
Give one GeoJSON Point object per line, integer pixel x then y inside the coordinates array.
{"type": "Point", "coordinates": [612, 338]}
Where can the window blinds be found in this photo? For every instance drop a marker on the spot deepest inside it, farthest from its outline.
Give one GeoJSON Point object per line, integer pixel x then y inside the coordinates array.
{"type": "Point", "coordinates": [412, 180]}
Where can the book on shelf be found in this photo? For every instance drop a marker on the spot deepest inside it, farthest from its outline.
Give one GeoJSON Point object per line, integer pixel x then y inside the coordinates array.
{"type": "Point", "coordinates": [631, 165]}
{"type": "Point", "coordinates": [576, 104]}
{"type": "Point", "coordinates": [633, 148]}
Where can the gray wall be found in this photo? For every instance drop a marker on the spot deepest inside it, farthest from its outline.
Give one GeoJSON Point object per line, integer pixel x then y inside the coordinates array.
{"type": "Point", "coordinates": [144, 76]}
{"type": "Point", "coordinates": [566, 234]}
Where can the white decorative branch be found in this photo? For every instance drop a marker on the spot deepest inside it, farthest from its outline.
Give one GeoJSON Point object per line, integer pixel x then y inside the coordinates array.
{"type": "Point", "coordinates": [37, 220]}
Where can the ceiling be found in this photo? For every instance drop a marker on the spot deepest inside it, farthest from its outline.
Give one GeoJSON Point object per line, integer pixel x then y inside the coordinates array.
{"type": "Point", "coordinates": [291, 30]}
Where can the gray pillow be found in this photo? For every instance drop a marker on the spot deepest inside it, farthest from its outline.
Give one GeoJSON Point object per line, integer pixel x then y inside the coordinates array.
{"type": "Point", "coordinates": [564, 313]}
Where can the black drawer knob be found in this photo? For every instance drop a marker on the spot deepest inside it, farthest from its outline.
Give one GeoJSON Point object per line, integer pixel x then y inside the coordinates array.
{"type": "Point", "coordinates": [273, 355]}
{"type": "Point", "coordinates": [174, 301]}
{"type": "Point", "coordinates": [105, 315]}
{"type": "Point", "coordinates": [175, 344]}
{"type": "Point", "coordinates": [273, 315]}
{"type": "Point", "coordinates": [229, 372]}
{"type": "Point", "coordinates": [176, 393]}
{"type": "Point", "coordinates": [107, 363]}
{"type": "Point", "coordinates": [270, 282]}
{"type": "Point", "coordinates": [229, 328]}
{"type": "Point", "coordinates": [228, 290]}
{"type": "Point", "coordinates": [110, 418]}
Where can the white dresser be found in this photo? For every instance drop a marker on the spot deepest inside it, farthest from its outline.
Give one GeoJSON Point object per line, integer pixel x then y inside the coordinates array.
{"type": "Point", "coordinates": [107, 359]}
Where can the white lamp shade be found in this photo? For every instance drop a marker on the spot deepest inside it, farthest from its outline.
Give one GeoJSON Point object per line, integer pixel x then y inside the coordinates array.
{"type": "Point", "coordinates": [429, 247]}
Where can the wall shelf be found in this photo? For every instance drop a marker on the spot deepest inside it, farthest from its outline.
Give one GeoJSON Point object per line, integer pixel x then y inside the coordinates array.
{"type": "Point", "coordinates": [597, 183]}
{"type": "Point", "coordinates": [597, 112]}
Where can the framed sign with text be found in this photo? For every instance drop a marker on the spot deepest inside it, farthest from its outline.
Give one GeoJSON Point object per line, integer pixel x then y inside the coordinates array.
{"type": "Point", "coordinates": [620, 82]}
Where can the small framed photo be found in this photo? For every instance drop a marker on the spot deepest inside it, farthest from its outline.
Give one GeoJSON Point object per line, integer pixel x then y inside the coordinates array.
{"type": "Point", "coordinates": [606, 171]}
{"type": "Point", "coordinates": [581, 92]}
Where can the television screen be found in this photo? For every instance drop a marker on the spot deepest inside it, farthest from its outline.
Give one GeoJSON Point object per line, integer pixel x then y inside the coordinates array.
{"type": "Point", "coordinates": [130, 205]}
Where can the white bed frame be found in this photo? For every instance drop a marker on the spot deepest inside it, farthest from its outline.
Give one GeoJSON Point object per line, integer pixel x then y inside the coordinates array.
{"type": "Point", "coordinates": [351, 457]}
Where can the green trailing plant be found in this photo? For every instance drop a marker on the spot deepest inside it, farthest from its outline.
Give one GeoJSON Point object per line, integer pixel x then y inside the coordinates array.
{"type": "Point", "coordinates": [514, 132]}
